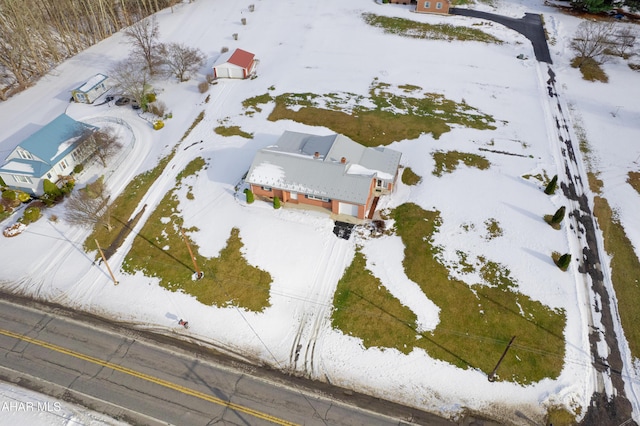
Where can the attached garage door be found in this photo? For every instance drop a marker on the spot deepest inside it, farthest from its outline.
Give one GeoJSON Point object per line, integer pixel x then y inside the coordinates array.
{"type": "Point", "coordinates": [346, 208]}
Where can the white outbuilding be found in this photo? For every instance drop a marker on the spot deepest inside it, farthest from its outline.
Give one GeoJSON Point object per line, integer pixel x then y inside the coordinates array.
{"type": "Point", "coordinates": [241, 64]}
{"type": "Point", "coordinates": [91, 89]}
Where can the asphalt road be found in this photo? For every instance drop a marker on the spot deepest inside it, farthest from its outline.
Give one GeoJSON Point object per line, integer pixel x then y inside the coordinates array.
{"type": "Point", "coordinates": [141, 381]}
{"type": "Point", "coordinates": [529, 26]}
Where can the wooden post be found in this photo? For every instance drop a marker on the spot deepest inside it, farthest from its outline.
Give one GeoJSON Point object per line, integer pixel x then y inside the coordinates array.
{"type": "Point", "coordinates": [492, 376]}
{"type": "Point", "coordinates": [193, 258]}
{"type": "Point", "coordinates": [104, 259]}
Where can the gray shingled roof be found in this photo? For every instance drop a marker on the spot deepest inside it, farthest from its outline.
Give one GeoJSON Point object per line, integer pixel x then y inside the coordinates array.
{"type": "Point", "coordinates": [291, 165]}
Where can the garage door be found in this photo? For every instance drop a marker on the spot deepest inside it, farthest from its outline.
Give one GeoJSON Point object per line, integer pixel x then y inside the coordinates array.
{"type": "Point", "coordinates": [222, 72]}
{"type": "Point", "coordinates": [346, 208]}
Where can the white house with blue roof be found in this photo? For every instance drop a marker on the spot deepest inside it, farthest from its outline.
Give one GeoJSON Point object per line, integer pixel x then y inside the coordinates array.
{"type": "Point", "coordinates": [50, 153]}
{"type": "Point", "coordinates": [332, 172]}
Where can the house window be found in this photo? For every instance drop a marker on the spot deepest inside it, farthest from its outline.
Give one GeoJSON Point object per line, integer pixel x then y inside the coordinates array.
{"type": "Point", "coordinates": [438, 5]}
{"type": "Point", "coordinates": [63, 164]}
{"type": "Point", "coordinates": [313, 197]}
{"type": "Point", "coordinates": [427, 4]}
{"type": "Point", "coordinates": [22, 179]}
{"type": "Point", "coordinates": [25, 154]}
{"type": "Point", "coordinates": [48, 175]}
{"type": "Point", "coordinates": [378, 183]}
{"type": "Point", "coordinates": [266, 188]}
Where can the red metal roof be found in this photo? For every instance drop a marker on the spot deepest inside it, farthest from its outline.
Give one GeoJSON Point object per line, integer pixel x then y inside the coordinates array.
{"type": "Point", "coordinates": [241, 58]}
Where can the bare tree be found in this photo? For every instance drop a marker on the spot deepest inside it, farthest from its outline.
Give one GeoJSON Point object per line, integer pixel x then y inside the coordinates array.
{"type": "Point", "coordinates": [90, 206]}
{"type": "Point", "coordinates": [35, 35]}
{"type": "Point", "coordinates": [130, 78]}
{"type": "Point", "coordinates": [182, 60]}
{"type": "Point", "coordinates": [591, 41]}
{"type": "Point", "coordinates": [103, 144]}
{"type": "Point", "coordinates": [624, 41]}
{"type": "Point", "coordinates": [143, 36]}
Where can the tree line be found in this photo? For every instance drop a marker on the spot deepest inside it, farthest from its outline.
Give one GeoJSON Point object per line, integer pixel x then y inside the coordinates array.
{"type": "Point", "coordinates": [36, 35]}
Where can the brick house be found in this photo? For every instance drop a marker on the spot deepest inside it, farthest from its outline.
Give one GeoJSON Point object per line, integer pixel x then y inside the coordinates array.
{"type": "Point", "coordinates": [427, 6]}
{"type": "Point", "coordinates": [332, 172]}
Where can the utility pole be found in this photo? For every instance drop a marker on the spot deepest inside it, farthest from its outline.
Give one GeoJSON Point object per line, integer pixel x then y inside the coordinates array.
{"type": "Point", "coordinates": [104, 259]}
{"type": "Point", "coordinates": [199, 274]}
{"type": "Point", "coordinates": [492, 376]}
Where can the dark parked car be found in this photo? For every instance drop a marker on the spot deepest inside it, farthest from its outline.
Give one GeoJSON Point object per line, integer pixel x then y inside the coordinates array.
{"type": "Point", "coordinates": [123, 101]}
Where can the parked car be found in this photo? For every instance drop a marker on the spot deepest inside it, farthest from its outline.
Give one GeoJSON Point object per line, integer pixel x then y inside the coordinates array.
{"type": "Point", "coordinates": [123, 101]}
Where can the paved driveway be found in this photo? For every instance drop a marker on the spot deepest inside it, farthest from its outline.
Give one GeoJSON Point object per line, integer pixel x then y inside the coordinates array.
{"type": "Point", "coordinates": [530, 26]}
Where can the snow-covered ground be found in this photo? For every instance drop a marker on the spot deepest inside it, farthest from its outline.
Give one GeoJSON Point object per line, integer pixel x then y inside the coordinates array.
{"type": "Point", "coordinates": [20, 406]}
{"type": "Point", "coordinates": [323, 47]}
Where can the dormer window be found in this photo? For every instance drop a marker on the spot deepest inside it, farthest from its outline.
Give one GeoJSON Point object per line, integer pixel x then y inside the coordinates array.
{"type": "Point", "coordinates": [26, 155]}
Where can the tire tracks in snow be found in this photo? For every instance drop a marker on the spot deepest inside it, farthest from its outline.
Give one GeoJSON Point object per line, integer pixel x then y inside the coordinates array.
{"type": "Point", "coordinates": [166, 181]}
{"type": "Point", "coordinates": [318, 307]}
{"type": "Point", "coordinates": [609, 404]}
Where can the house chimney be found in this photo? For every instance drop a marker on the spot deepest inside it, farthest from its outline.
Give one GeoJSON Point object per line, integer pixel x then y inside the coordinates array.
{"type": "Point", "coordinates": [343, 160]}
{"type": "Point", "coordinates": [316, 155]}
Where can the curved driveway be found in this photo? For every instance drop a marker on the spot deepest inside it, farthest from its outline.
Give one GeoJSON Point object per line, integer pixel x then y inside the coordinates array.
{"type": "Point", "coordinates": [530, 26]}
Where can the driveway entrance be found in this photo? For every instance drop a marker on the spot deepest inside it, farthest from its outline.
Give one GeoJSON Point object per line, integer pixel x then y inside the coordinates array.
{"type": "Point", "coordinates": [530, 26]}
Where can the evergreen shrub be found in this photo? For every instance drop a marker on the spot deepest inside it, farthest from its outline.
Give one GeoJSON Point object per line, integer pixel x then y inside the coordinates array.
{"type": "Point", "coordinates": [551, 186]}
{"type": "Point", "coordinates": [249, 195]}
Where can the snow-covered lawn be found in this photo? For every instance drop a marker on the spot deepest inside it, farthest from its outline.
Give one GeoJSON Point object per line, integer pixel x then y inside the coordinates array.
{"type": "Point", "coordinates": [325, 47]}
{"type": "Point", "coordinates": [22, 406]}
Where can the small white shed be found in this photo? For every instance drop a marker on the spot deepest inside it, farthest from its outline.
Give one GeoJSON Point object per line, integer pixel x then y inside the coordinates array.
{"type": "Point", "coordinates": [91, 89]}
{"type": "Point", "coordinates": [241, 64]}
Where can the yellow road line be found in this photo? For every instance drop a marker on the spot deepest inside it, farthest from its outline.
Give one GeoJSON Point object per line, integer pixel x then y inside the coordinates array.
{"type": "Point", "coordinates": [149, 378]}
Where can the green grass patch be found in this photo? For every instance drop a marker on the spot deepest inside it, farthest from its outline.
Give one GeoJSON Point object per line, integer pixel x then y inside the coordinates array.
{"type": "Point", "coordinates": [379, 119]}
{"type": "Point", "coordinates": [159, 251]}
{"type": "Point", "coordinates": [549, 219]}
{"type": "Point", "coordinates": [634, 181]}
{"type": "Point", "coordinates": [494, 230]}
{"type": "Point", "coordinates": [590, 69]}
{"type": "Point", "coordinates": [543, 179]}
{"type": "Point", "coordinates": [408, 88]}
{"type": "Point", "coordinates": [414, 29]}
{"type": "Point", "coordinates": [625, 272]}
{"type": "Point", "coordinates": [560, 416]}
{"type": "Point", "coordinates": [595, 183]}
{"type": "Point", "coordinates": [409, 177]}
{"type": "Point", "coordinates": [463, 265]}
{"type": "Point", "coordinates": [252, 105]}
{"type": "Point", "coordinates": [385, 322]}
{"type": "Point", "coordinates": [476, 322]}
{"type": "Point", "coordinates": [125, 204]}
{"type": "Point", "coordinates": [197, 121]}
{"type": "Point", "coordinates": [447, 162]}
{"type": "Point", "coordinates": [232, 131]}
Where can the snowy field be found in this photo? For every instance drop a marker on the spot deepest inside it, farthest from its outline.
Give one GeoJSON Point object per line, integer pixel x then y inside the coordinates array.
{"type": "Point", "coordinates": [323, 47]}
{"type": "Point", "coordinates": [20, 406]}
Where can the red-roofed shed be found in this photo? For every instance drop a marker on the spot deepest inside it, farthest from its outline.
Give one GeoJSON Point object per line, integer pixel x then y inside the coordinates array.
{"type": "Point", "coordinates": [241, 64]}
